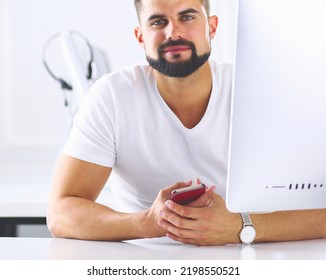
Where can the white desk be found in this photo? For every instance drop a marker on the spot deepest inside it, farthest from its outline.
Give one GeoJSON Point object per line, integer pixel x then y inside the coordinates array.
{"type": "Point", "coordinates": [22, 204]}
{"type": "Point", "coordinates": [18, 200]}
{"type": "Point", "coordinates": [154, 249]}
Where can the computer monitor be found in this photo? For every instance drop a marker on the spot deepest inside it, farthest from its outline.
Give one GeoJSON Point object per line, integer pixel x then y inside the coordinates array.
{"type": "Point", "coordinates": [277, 150]}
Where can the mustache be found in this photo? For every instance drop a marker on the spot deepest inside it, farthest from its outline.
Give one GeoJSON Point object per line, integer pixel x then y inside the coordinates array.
{"type": "Point", "coordinates": [180, 42]}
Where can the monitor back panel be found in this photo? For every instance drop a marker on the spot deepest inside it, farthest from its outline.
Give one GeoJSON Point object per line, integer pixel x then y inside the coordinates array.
{"type": "Point", "coordinates": [277, 151]}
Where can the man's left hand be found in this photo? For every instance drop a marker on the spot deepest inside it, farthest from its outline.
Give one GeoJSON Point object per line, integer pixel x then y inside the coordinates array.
{"type": "Point", "coordinates": [210, 224]}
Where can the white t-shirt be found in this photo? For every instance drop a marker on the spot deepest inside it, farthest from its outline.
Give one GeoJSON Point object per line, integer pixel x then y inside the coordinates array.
{"type": "Point", "coordinates": [124, 123]}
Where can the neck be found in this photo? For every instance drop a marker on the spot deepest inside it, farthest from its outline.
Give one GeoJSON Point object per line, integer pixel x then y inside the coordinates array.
{"type": "Point", "coordinates": [187, 97]}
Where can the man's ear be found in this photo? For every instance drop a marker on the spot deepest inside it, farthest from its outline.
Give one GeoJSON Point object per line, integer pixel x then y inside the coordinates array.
{"type": "Point", "coordinates": [139, 35]}
{"type": "Point", "coordinates": [213, 23]}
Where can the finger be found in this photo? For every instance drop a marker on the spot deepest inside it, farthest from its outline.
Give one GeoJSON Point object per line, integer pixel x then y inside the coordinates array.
{"type": "Point", "coordinates": [182, 229]}
{"type": "Point", "coordinates": [217, 199]}
{"type": "Point", "coordinates": [176, 220]}
{"type": "Point", "coordinates": [184, 211]}
{"type": "Point", "coordinates": [176, 231]}
{"type": "Point", "coordinates": [186, 236]}
{"type": "Point", "coordinates": [188, 183]}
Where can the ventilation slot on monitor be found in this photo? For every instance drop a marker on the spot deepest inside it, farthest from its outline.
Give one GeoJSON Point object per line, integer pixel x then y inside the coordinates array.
{"type": "Point", "coordinates": [305, 186]}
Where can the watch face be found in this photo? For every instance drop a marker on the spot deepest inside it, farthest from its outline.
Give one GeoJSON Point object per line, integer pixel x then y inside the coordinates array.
{"type": "Point", "coordinates": [248, 234]}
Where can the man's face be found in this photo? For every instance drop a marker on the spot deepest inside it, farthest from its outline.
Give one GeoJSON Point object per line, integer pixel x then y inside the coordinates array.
{"type": "Point", "coordinates": [176, 35]}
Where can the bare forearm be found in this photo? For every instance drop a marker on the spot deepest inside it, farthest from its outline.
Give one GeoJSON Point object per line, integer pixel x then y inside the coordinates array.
{"type": "Point", "coordinates": [79, 218]}
{"type": "Point", "coordinates": [290, 225]}
{"type": "Point", "coordinates": [215, 225]}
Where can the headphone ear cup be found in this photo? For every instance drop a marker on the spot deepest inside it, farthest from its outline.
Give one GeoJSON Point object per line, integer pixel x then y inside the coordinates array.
{"type": "Point", "coordinates": [90, 71]}
{"type": "Point", "coordinates": [64, 84]}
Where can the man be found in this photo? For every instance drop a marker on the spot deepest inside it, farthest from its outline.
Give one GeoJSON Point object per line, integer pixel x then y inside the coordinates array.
{"type": "Point", "coordinates": [151, 128]}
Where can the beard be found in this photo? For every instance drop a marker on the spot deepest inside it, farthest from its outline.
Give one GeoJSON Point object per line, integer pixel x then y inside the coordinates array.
{"type": "Point", "coordinates": [178, 69]}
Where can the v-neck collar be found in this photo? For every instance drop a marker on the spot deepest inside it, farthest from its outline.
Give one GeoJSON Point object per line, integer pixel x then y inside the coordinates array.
{"type": "Point", "coordinates": [202, 123]}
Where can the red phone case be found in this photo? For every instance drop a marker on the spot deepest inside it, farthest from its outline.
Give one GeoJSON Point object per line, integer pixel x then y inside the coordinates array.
{"type": "Point", "coordinates": [187, 194]}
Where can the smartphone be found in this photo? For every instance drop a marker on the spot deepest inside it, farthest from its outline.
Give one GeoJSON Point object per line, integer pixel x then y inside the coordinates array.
{"type": "Point", "coordinates": [187, 194]}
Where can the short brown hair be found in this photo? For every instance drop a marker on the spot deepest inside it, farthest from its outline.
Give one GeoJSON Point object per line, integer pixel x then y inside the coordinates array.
{"type": "Point", "coordinates": [138, 4]}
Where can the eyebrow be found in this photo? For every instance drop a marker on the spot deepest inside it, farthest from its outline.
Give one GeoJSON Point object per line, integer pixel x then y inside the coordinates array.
{"type": "Point", "coordinates": [159, 16]}
{"type": "Point", "coordinates": [188, 11]}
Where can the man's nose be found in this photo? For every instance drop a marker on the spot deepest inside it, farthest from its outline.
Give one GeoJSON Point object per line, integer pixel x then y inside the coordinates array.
{"type": "Point", "coordinates": [174, 31]}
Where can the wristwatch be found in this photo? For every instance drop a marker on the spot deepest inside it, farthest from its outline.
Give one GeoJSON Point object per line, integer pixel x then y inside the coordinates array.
{"type": "Point", "coordinates": [248, 232]}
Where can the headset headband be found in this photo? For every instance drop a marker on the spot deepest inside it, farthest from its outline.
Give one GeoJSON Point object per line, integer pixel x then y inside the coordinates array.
{"type": "Point", "coordinates": [63, 83]}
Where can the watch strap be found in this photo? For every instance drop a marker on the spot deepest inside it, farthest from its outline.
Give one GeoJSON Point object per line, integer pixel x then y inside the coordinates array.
{"type": "Point", "coordinates": [246, 219]}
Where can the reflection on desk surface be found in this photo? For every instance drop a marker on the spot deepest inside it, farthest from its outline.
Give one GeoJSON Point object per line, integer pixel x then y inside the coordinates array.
{"type": "Point", "coordinates": [154, 249]}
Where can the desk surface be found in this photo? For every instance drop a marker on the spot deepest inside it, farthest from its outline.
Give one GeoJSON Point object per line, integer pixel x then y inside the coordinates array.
{"type": "Point", "coordinates": [154, 249]}
{"type": "Point", "coordinates": [17, 200]}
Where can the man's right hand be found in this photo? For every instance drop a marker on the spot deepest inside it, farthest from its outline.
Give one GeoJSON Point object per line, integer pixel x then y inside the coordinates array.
{"type": "Point", "coordinates": [152, 215]}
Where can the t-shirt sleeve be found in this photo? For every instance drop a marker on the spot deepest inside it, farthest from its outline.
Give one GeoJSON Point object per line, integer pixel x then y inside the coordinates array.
{"type": "Point", "coordinates": [92, 137]}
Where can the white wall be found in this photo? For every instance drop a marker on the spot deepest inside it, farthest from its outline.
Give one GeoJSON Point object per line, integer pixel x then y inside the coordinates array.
{"type": "Point", "coordinates": [33, 120]}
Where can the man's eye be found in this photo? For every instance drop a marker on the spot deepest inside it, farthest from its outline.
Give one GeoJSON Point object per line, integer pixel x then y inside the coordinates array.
{"type": "Point", "coordinates": [187, 17]}
{"type": "Point", "coordinates": [159, 22]}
